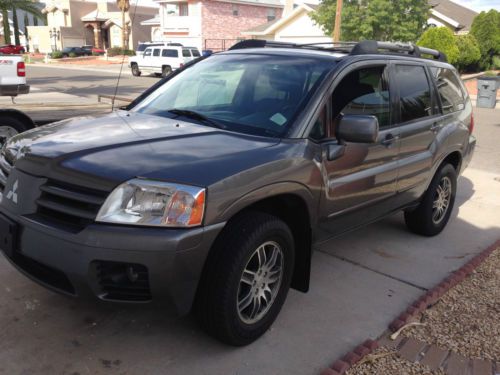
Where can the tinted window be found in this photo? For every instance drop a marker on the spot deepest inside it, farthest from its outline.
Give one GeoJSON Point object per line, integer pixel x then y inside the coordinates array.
{"type": "Point", "coordinates": [364, 92]}
{"type": "Point", "coordinates": [195, 52]}
{"type": "Point", "coordinates": [170, 53]}
{"type": "Point", "coordinates": [185, 53]}
{"type": "Point", "coordinates": [414, 92]}
{"type": "Point", "coordinates": [255, 94]}
{"type": "Point", "coordinates": [156, 52]}
{"type": "Point", "coordinates": [450, 90]}
{"type": "Point", "coordinates": [148, 52]}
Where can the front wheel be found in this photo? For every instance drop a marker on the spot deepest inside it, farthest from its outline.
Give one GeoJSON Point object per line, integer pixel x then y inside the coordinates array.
{"type": "Point", "coordinates": [433, 212]}
{"type": "Point", "coordinates": [246, 279]}
{"type": "Point", "coordinates": [135, 70]}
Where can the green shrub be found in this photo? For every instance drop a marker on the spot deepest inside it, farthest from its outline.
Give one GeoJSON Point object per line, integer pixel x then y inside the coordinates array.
{"type": "Point", "coordinates": [72, 54]}
{"type": "Point", "coordinates": [116, 51]}
{"type": "Point", "coordinates": [56, 55]}
{"type": "Point", "coordinates": [442, 39]}
{"type": "Point", "coordinates": [486, 29]}
{"type": "Point", "coordinates": [496, 62]}
{"type": "Point", "coordinates": [469, 53]}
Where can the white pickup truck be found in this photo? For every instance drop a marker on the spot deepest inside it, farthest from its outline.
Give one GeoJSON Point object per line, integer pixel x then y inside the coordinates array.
{"type": "Point", "coordinates": [13, 83]}
{"type": "Point", "coordinates": [162, 59]}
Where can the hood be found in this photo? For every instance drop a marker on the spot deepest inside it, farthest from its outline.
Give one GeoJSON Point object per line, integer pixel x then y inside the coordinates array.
{"type": "Point", "coordinates": [123, 145]}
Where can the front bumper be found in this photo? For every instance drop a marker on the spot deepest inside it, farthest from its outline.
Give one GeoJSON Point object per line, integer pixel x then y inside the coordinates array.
{"type": "Point", "coordinates": [14, 90]}
{"type": "Point", "coordinates": [68, 263]}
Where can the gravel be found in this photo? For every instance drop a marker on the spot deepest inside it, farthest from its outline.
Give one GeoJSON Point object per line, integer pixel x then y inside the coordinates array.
{"type": "Point", "coordinates": [467, 318]}
{"type": "Point", "coordinates": [391, 364]}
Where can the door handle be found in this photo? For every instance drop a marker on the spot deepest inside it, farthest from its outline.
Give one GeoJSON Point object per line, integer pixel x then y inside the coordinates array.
{"type": "Point", "coordinates": [435, 127]}
{"type": "Point", "coordinates": [389, 140]}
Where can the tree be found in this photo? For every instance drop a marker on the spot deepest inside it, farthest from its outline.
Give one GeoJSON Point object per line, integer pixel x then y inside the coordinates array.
{"type": "Point", "coordinates": [26, 35]}
{"type": "Point", "coordinates": [442, 39]}
{"type": "Point", "coordinates": [469, 53]}
{"type": "Point", "coordinates": [15, 23]}
{"type": "Point", "coordinates": [486, 30]}
{"type": "Point", "coordinates": [124, 6]}
{"type": "Point", "coordinates": [401, 20]}
{"type": "Point", "coordinates": [29, 6]}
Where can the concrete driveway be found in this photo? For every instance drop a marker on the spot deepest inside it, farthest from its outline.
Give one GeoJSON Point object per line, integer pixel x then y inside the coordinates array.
{"type": "Point", "coordinates": [360, 282]}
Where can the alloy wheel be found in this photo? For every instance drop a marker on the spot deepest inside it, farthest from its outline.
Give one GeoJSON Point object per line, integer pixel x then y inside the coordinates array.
{"type": "Point", "coordinates": [441, 201]}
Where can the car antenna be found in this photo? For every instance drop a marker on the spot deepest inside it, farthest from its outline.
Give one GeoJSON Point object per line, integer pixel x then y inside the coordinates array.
{"type": "Point", "coordinates": [123, 57]}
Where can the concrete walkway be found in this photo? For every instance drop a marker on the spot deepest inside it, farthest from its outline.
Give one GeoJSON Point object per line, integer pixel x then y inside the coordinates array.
{"type": "Point", "coordinates": [360, 282]}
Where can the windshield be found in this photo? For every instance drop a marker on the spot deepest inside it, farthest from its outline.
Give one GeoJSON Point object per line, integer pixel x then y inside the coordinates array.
{"type": "Point", "coordinates": [255, 94]}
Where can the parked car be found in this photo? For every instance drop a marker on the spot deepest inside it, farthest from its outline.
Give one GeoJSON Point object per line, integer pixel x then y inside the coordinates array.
{"type": "Point", "coordinates": [11, 49]}
{"type": "Point", "coordinates": [77, 51]}
{"type": "Point", "coordinates": [162, 60]}
{"type": "Point", "coordinates": [91, 50]}
{"type": "Point", "coordinates": [212, 188]}
{"type": "Point", "coordinates": [141, 47]}
{"type": "Point", "coordinates": [12, 83]}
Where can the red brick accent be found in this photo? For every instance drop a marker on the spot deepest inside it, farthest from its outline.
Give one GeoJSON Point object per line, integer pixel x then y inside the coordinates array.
{"type": "Point", "coordinates": [351, 358]}
{"type": "Point", "coordinates": [396, 324]}
{"type": "Point", "coordinates": [218, 21]}
{"type": "Point", "coordinates": [329, 371]}
{"type": "Point", "coordinates": [361, 350]}
{"type": "Point", "coordinates": [340, 366]}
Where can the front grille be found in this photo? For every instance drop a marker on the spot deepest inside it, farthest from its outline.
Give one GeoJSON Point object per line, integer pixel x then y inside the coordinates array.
{"type": "Point", "coordinates": [72, 207]}
{"type": "Point", "coordinates": [123, 281]}
{"type": "Point", "coordinates": [6, 165]}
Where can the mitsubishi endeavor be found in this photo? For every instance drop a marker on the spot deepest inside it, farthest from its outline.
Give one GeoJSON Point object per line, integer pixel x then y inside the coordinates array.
{"type": "Point", "coordinates": [211, 189]}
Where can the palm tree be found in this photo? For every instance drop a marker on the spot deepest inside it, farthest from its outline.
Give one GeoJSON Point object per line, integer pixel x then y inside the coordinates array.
{"type": "Point", "coordinates": [124, 6]}
{"type": "Point", "coordinates": [29, 6]}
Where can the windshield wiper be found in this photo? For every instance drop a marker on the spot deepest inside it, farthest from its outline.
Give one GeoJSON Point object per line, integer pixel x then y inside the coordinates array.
{"type": "Point", "coordinates": [197, 116]}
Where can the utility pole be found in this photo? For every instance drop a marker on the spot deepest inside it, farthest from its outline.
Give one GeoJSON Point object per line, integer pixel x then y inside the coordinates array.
{"type": "Point", "coordinates": [338, 21]}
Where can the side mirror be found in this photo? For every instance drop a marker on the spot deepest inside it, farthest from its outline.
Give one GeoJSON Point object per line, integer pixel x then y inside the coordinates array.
{"type": "Point", "coordinates": [358, 129]}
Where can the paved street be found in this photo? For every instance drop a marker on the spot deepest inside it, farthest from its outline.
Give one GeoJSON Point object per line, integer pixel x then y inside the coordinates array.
{"type": "Point", "coordinates": [360, 282]}
{"type": "Point", "coordinates": [87, 81]}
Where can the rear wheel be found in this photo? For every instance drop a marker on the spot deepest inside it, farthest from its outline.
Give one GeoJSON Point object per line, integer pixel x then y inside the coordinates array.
{"type": "Point", "coordinates": [165, 71]}
{"type": "Point", "coordinates": [135, 70]}
{"type": "Point", "coordinates": [433, 212]}
{"type": "Point", "coordinates": [246, 278]}
{"type": "Point", "coordinates": [9, 127]}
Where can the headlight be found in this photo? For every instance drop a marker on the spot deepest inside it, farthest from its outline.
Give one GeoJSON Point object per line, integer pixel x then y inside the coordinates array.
{"type": "Point", "coordinates": [154, 203]}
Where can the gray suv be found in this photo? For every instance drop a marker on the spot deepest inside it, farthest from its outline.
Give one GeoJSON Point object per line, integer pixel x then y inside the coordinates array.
{"type": "Point", "coordinates": [212, 188]}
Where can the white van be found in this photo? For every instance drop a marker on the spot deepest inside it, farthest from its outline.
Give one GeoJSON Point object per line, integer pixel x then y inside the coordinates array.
{"type": "Point", "coordinates": [162, 59]}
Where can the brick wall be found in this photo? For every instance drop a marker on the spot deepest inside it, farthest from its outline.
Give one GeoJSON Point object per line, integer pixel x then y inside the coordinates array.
{"type": "Point", "coordinates": [218, 22]}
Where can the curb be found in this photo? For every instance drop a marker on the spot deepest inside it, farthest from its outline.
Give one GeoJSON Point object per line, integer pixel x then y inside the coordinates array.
{"type": "Point", "coordinates": [428, 299]}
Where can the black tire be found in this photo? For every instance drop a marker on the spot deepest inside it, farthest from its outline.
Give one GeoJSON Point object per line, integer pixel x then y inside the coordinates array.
{"type": "Point", "coordinates": [218, 293]}
{"type": "Point", "coordinates": [165, 71]}
{"type": "Point", "coordinates": [11, 122]}
{"type": "Point", "coordinates": [135, 70]}
{"type": "Point", "coordinates": [421, 220]}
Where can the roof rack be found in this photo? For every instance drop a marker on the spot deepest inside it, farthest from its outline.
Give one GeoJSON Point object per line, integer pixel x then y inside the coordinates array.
{"type": "Point", "coordinates": [353, 48]}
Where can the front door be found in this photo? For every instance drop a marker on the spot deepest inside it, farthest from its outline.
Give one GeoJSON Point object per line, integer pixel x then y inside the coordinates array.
{"type": "Point", "coordinates": [359, 183]}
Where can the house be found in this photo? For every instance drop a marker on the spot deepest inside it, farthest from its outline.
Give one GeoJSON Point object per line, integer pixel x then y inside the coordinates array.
{"type": "Point", "coordinates": [210, 24]}
{"type": "Point", "coordinates": [20, 21]}
{"type": "Point", "coordinates": [296, 26]}
{"type": "Point", "coordinates": [452, 15]}
{"type": "Point", "coordinates": [73, 23]}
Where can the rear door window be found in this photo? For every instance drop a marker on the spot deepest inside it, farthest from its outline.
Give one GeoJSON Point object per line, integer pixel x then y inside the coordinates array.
{"type": "Point", "coordinates": [170, 53]}
{"type": "Point", "coordinates": [415, 101]}
{"type": "Point", "coordinates": [450, 90]}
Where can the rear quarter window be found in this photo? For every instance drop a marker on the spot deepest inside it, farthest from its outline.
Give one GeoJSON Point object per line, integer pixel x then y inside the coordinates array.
{"type": "Point", "coordinates": [185, 53]}
{"type": "Point", "coordinates": [170, 53]}
{"type": "Point", "coordinates": [450, 89]}
{"type": "Point", "coordinates": [195, 52]}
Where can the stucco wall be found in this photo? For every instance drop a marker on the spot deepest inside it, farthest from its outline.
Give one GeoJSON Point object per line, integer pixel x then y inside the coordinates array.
{"type": "Point", "coordinates": [301, 29]}
{"type": "Point", "coordinates": [218, 21]}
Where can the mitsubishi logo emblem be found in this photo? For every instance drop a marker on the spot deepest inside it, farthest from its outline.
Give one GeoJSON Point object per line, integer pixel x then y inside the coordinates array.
{"type": "Point", "coordinates": [12, 195]}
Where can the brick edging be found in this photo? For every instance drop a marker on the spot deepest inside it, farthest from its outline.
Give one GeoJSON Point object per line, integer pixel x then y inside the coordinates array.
{"type": "Point", "coordinates": [340, 366]}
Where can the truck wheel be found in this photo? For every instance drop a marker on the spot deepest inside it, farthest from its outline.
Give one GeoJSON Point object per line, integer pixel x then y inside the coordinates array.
{"type": "Point", "coordinates": [165, 71]}
{"type": "Point", "coordinates": [9, 127]}
{"type": "Point", "coordinates": [135, 70]}
{"type": "Point", "coordinates": [246, 279]}
{"type": "Point", "coordinates": [433, 212]}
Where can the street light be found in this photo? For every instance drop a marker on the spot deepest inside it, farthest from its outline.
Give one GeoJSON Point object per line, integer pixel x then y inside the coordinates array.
{"type": "Point", "coordinates": [55, 35]}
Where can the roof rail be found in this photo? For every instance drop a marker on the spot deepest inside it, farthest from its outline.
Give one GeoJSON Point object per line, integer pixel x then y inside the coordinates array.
{"type": "Point", "coordinates": [353, 48]}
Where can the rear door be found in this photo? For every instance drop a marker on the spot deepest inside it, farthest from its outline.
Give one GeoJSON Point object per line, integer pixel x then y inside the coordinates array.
{"type": "Point", "coordinates": [419, 121]}
{"type": "Point", "coordinates": [186, 55]}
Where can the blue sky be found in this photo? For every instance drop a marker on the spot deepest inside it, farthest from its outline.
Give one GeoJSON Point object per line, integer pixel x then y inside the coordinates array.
{"type": "Point", "coordinates": [477, 5]}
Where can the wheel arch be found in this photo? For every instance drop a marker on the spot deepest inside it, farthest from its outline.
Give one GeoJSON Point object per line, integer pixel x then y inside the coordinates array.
{"type": "Point", "coordinates": [14, 113]}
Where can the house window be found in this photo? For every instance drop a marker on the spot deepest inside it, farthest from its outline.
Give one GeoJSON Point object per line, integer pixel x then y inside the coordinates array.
{"type": "Point", "coordinates": [271, 14]}
{"type": "Point", "coordinates": [236, 10]}
{"type": "Point", "coordinates": [183, 9]}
